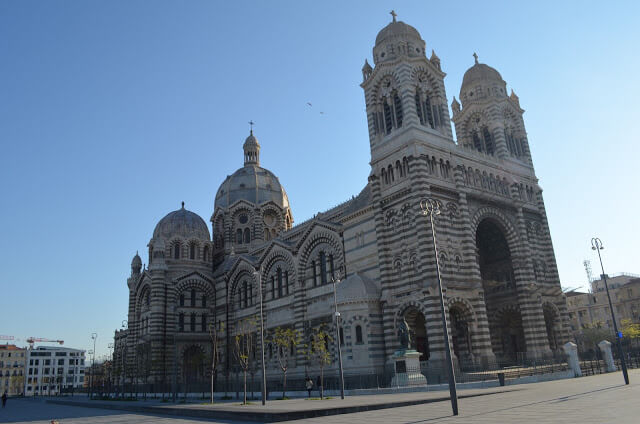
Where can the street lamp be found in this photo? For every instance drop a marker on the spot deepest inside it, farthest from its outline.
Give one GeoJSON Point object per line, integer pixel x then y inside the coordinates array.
{"type": "Point", "coordinates": [431, 207]}
{"type": "Point", "coordinates": [337, 315]}
{"type": "Point", "coordinates": [94, 336]}
{"type": "Point", "coordinates": [596, 244]}
{"type": "Point", "coordinates": [258, 275]}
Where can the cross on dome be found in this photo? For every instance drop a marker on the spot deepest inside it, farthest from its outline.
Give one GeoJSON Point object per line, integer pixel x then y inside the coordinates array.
{"type": "Point", "coordinates": [394, 14]}
{"type": "Point", "coordinates": [251, 123]}
{"type": "Point", "coordinates": [475, 56]}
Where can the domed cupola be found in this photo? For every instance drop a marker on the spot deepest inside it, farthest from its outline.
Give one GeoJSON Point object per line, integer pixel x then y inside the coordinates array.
{"type": "Point", "coordinates": [181, 223]}
{"type": "Point", "coordinates": [481, 81]}
{"type": "Point", "coordinates": [252, 183]}
{"type": "Point", "coordinates": [397, 40]}
{"type": "Point", "coordinates": [136, 264]}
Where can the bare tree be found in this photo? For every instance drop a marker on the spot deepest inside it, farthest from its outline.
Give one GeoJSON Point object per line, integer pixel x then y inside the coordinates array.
{"type": "Point", "coordinates": [317, 351]}
{"type": "Point", "coordinates": [284, 340]}
{"type": "Point", "coordinates": [215, 353]}
{"type": "Point", "coordinates": [245, 333]}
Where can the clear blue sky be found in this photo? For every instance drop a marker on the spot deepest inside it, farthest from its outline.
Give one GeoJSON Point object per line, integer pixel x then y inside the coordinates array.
{"type": "Point", "coordinates": [113, 112]}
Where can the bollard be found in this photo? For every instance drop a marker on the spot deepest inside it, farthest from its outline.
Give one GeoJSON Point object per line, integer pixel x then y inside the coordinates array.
{"type": "Point", "coordinates": [501, 378]}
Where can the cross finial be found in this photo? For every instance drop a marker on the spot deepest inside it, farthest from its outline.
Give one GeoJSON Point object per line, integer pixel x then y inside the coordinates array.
{"type": "Point", "coordinates": [394, 14]}
{"type": "Point", "coordinates": [475, 56]}
{"type": "Point", "coordinates": [251, 123]}
{"type": "Point", "coordinates": [183, 204]}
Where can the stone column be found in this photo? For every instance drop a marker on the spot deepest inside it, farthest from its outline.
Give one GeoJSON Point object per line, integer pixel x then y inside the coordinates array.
{"type": "Point", "coordinates": [605, 348]}
{"type": "Point", "coordinates": [571, 349]}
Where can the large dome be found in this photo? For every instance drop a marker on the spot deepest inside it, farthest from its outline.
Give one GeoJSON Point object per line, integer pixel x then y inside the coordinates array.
{"type": "Point", "coordinates": [397, 40]}
{"type": "Point", "coordinates": [182, 223]}
{"type": "Point", "coordinates": [253, 184]}
{"type": "Point", "coordinates": [481, 75]}
{"type": "Point", "coordinates": [397, 29]}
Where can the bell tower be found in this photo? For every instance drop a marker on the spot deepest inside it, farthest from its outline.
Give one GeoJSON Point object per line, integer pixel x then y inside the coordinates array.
{"type": "Point", "coordinates": [404, 93]}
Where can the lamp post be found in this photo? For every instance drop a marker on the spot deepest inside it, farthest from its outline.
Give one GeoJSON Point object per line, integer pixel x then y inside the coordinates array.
{"type": "Point", "coordinates": [110, 347]}
{"type": "Point", "coordinates": [94, 336]}
{"type": "Point", "coordinates": [337, 315]}
{"type": "Point", "coordinates": [258, 275]}
{"type": "Point", "coordinates": [123, 356]}
{"type": "Point", "coordinates": [430, 207]}
{"type": "Point", "coordinates": [596, 244]}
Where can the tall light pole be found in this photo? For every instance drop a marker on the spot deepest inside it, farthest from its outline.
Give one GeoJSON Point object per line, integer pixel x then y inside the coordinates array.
{"type": "Point", "coordinates": [123, 355]}
{"type": "Point", "coordinates": [111, 354]}
{"type": "Point", "coordinates": [258, 275]}
{"type": "Point", "coordinates": [596, 244]}
{"type": "Point", "coordinates": [430, 208]}
{"type": "Point", "coordinates": [94, 336]}
{"type": "Point", "coordinates": [337, 315]}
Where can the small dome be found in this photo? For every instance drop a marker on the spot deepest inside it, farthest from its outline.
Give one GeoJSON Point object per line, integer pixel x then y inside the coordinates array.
{"type": "Point", "coordinates": [253, 184]}
{"type": "Point", "coordinates": [397, 40]}
{"type": "Point", "coordinates": [136, 262]}
{"type": "Point", "coordinates": [182, 223]}
{"type": "Point", "coordinates": [481, 75]}
{"type": "Point", "coordinates": [357, 288]}
{"type": "Point", "coordinates": [397, 29]}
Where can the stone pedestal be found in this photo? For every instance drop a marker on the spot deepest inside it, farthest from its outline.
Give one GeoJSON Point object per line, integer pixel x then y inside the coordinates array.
{"type": "Point", "coordinates": [605, 348]}
{"type": "Point", "coordinates": [407, 369]}
{"type": "Point", "coordinates": [571, 349]}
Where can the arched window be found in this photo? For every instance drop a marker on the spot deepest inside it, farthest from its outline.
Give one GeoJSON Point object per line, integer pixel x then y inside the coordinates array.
{"type": "Point", "coordinates": [192, 251]}
{"type": "Point", "coordinates": [286, 282]}
{"type": "Point", "coordinates": [239, 236]}
{"type": "Point", "coordinates": [428, 111]}
{"type": "Point", "coordinates": [388, 121]}
{"type": "Point", "coordinates": [204, 300]}
{"type": "Point", "coordinates": [405, 164]}
{"type": "Point", "coordinates": [176, 250]}
{"type": "Point", "coordinates": [181, 299]}
{"type": "Point", "coordinates": [247, 236]}
{"type": "Point", "coordinates": [323, 268]}
{"type": "Point", "coordinates": [477, 143]}
{"type": "Point", "coordinates": [193, 298]}
{"type": "Point", "coordinates": [279, 274]}
{"type": "Point", "coordinates": [239, 297]}
{"type": "Point", "coordinates": [390, 172]}
{"type": "Point", "coordinates": [315, 273]}
{"type": "Point", "coordinates": [267, 234]}
{"type": "Point", "coordinates": [397, 104]}
{"type": "Point", "coordinates": [399, 169]}
{"type": "Point", "coordinates": [383, 176]}
{"type": "Point", "coordinates": [273, 287]}
{"type": "Point", "coordinates": [488, 140]}
{"type": "Point", "coordinates": [192, 324]}
{"type": "Point", "coordinates": [419, 108]}
{"type": "Point", "coordinates": [250, 300]}
{"type": "Point", "coordinates": [205, 254]}
{"type": "Point", "coordinates": [204, 323]}
{"type": "Point", "coordinates": [181, 322]}
{"type": "Point", "coordinates": [359, 334]}
{"type": "Point", "coordinates": [245, 290]}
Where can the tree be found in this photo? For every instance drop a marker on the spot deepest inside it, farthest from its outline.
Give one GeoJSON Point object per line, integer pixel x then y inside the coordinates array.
{"type": "Point", "coordinates": [244, 338]}
{"type": "Point", "coordinates": [215, 353]}
{"type": "Point", "coordinates": [630, 330]}
{"type": "Point", "coordinates": [317, 351]}
{"type": "Point", "coordinates": [594, 333]}
{"type": "Point", "coordinates": [285, 340]}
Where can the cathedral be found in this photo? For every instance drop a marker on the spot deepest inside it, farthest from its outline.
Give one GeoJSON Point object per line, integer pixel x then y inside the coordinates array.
{"type": "Point", "coordinates": [501, 286]}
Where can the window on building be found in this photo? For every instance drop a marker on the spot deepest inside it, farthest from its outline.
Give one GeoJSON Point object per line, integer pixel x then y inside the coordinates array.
{"type": "Point", "coordinates": [359, 334]}
{"type": "Point", "coordinates": [273, 287]}
{"type": "Point", "coordinates": [176, 250]}
{"type": "Point", "coordinates": [192, 251]}
{"type": "Point", "coordinates": [279, 274]}
{"type": "Point", "coordinates": [245, 292]}
{"type": "Point", "coordinates": [247, 236]}
{"type": "Point", "coordinates": [204, 300]}
{"type": "Point", "coordinates": [323, 268]}
{"type": "Point", "coordinates": [315, 272]}
{"type": "Point", "coordinates": [193, 298]}
{"type": "Point", "coordinates": [204, 323]}
{"type": "Point", "coordinates": [192, 324]}
{"type": "Point", "coordinates": [286, 282]}
{"type": "Point", "coordinates": [181, 322]}
{"type": "Point", "coordinates": [205, 253]}
{"type": "Point", "coordinates": [181, 299]}
{"type": "Point", "coordinates": [239, 236]}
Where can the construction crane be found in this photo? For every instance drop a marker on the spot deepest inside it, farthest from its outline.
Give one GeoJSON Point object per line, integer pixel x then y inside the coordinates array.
{"type": "Point", "coordinates": [32, 340]}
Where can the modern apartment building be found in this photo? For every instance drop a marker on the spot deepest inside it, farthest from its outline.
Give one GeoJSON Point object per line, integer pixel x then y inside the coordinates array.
{"type": "Point", "coordinates": [51, 370]}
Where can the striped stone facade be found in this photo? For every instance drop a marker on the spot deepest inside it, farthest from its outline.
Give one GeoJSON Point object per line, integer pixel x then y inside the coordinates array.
{"type": "Point", "coordinates": [502, 290]}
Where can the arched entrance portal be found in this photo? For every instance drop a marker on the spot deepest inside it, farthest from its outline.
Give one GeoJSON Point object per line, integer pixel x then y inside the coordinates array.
{"type": "Point", "coordinates": [460, 333]}
{"type": "Point", "coordinates": [498, 281]}
{"type": "Point", "coordinates": [193, 366]}
{"type": "Point", "coordinates": [416, 322]}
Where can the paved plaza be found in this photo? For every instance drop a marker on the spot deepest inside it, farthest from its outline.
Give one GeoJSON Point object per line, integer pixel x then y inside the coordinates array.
{"type": "Point", "coordinates": [598, 399]}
